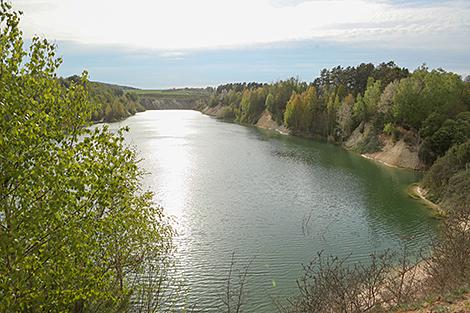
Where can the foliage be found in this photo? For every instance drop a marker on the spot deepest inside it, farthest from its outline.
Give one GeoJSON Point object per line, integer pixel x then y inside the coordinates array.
{"type": "Point", "coordinates": [345, 116]}
{"type": "Point", "coordinates": [303, 111]}
{"type": "Point", "coordinates": [359, 110]}
{"type": "Point", "coordinates": [251, 105]}
{"type": "Point", "coordinates": [74, 222]}
{"type": "Point", "coordinates": [294, 112]}
{"type": "Point", "coordinates": [371, 98]}
{"type": "Point", "coordinates": [282, 92]}
{"type": "Point", "coordinates": [448, 267]}
{"type": "Point", "coordinates": [440, 138]}
{"type": "Point", "coordinates": [354, 79]}
{"type": "Point", "coordinates": [171, 93]}
{"type": "Point", "coordinates": [274, 96]}
{"type": "Point", "coordinates": [386, 101]}
{"type": "Point", "coordinates": [228, 114]}
{"type": "Point", "coordinates": [449, 178]}
{"type": "Point", "coordinates": [270, 103]}
{"type": "Point", "coordinates": [427, 92]}
{"type": "Point", "coordinates": [431, 124]}
{"type": "Point", "coordinates": [311, 109]}
{"type": "Point", "coordinates": [112, 102]}
{"type": "Point", "coordinates": [234, 296]}
{"type": "Point", "coordinates": [329, 284]}
{"type": "Point", "coordinates": [389, 128]}
{"type": "Point", "coordinates": [426, 108]}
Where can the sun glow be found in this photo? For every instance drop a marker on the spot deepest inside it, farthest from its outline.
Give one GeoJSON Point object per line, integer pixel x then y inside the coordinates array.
{"type": "Point", "coordinates": [185, 24]}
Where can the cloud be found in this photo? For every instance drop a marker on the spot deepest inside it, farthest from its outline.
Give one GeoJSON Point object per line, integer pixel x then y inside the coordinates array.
{"type": "Point", "coordinates": [283, 3]}
{"type": "Point", "coordinates": [177, 25]}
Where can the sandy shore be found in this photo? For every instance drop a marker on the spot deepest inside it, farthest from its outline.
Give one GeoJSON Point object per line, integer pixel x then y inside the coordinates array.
{"type": "Point", "coordinates": [379, 160]}
{"type": "Point", "coordinates": [415, 191]}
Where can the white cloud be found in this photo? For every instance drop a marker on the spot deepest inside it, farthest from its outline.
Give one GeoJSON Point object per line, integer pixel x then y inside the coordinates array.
{"type": "Point", "coordinates": [187, 24]}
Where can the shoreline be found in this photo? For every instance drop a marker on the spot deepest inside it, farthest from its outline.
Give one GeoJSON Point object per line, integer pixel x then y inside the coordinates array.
{"type": "Point", "coordinates": [280, 129]}
{"type": "Point", "coordinates": [382, 162]}
{"type": "Point", "coordinates": [266, 122]}
{"type": "Point", "coordinates": [416, 192]}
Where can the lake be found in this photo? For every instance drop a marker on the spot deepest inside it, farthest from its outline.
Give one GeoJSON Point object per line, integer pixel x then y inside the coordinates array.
{"type": "Point", "coordinates": [270, 199]}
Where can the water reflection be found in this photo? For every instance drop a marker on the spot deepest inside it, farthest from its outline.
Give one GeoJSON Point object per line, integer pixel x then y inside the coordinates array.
{"type": "Point", "coordinates": [232, 187]}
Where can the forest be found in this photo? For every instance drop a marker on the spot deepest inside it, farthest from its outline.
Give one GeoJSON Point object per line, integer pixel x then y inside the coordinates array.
{"type": "Point", "coordinates": [114, 103]}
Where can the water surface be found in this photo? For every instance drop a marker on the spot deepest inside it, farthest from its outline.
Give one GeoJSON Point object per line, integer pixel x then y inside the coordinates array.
{"type": "Point", "coordinates": [273, 199]}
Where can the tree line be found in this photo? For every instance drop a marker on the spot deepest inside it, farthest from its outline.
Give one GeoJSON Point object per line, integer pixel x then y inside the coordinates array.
{"type": "Point", "coordinates": [113, 103]}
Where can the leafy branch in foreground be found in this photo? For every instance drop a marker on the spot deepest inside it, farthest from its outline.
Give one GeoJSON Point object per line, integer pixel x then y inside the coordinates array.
{"type": "Point", "coordinates": [74, 221]}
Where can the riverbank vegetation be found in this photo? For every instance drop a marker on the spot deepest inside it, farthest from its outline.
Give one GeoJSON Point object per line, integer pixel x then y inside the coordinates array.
{"type": "Point", "coordinates": [368, 109]}
{"type": "Point", "coordinates": [115, 103]}
{"type": "Point", "coordinates": [172, 99]}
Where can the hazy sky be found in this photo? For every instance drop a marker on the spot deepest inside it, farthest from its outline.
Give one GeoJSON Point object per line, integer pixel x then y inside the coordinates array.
{"type": "Point", "coordinates": [172, 43]}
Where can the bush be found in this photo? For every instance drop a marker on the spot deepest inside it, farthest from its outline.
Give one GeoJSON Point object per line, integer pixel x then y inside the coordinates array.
{"type": "Point", "coordinates": [329, 285]}
{"type": "Point", "coordinates": [426, 153]}
{"type": "Point", "coordinates": [371, 145]}
{"type": "Point", "coordinates": [443, 135]}
{"type": "Point", "coordinates": [448, 267]}
{"type": "Point", "coordinates": [228, 113]}
{"type": "Point", "coordinates": [437, 179]}
{"type": "Point", "coordinates": [389, 128]}
{"type": "Point", "coordinates": [390, 280]}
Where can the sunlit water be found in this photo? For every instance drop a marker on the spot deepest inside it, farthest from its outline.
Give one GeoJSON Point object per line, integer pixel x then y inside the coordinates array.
{"type": "Point", "coordinates": [274, 200]}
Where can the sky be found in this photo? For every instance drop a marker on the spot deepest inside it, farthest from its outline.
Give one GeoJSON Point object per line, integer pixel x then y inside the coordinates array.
{"type": "Point", "coordinates": [189, 43]}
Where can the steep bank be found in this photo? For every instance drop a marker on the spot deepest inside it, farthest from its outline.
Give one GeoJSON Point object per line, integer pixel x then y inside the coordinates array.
{"type": "Point", "coordinates": [398, 154]}
{"type": "Point", "coordinates": [392, 153]}
{"type": "Point", "coordinates": [266, 121]}
{"type": "Point", "coordinates": [217, 111]}
{"type": "Point", "coordinates": [395, 154]}
{"type": "Point", "coordinates": [448, 180]}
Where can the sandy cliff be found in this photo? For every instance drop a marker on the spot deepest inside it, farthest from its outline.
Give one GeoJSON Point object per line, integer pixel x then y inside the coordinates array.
{"type": "Point", "coordinates": [217, 111]}
{"type": "Point", "coordinates": [399, 154]}
{"type": "Point", "coordinates": [266, 121]}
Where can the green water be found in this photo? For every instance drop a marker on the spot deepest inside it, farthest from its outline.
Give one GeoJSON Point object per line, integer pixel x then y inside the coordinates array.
{"type": "Point", "coordinates": [273, 199]}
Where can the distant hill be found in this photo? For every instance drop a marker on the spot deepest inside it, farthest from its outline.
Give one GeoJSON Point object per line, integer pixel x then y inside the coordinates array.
{"type": "Point", "coordinates": [115, 86]}
{"type": "Point", "coordinates": [177, 98]}
{"type": "Point", "coordinates": [117, 102]}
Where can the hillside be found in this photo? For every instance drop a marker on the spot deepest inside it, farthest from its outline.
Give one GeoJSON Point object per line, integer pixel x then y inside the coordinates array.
{"type": "Point", "coordinates": [182, 99]}
{"type": "Point", "coordinates": [115, 102]}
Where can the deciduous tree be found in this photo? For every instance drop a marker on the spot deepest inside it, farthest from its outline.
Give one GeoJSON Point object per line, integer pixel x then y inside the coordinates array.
{"type": "Point", "coordinates": [74, 221]}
